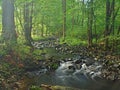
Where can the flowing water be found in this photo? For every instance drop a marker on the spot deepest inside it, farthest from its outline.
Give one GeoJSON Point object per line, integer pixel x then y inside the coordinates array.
{"type": "Point", "coordinates": [81, 75]}
{"type": "Point", "coordinates": [73, 78]}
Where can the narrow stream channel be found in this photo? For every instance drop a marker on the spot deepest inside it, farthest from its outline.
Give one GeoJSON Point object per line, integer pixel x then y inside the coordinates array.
{"type": "Point", "coordinates": [86, 75]}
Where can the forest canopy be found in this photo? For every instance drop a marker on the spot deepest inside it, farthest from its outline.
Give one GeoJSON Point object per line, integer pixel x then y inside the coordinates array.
{"type": "Point", "coordinates": [73, 21]}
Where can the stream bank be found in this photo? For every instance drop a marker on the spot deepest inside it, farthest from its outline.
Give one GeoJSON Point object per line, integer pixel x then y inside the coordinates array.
{"type": "Point", "coordinates": [78, 65]}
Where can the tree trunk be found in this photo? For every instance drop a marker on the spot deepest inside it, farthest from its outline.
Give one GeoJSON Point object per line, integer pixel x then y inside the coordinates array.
{"type": "Point", "coordinates": [27, 23]}
{"type": "Point", "coordinates": [95, 29]}
{"type": "Point", "coordinates": [64, 17]}
{"type": "Point", "coordinates": [73, 16]}
{"type": "Point", "coordinates": [8, 24]}
{"type": "Point", "coordinates": [112, 17]}
{"type": "Point", "coordinates": [107, 23]}
{"type": "Point", "coordinates": [90, 22]}
{"type": "Point", "coordinates": [19, 17]}
{"type": "Point", "coordinates": [83, 13]}
{"type": "Point", "coordinates": [42, 26]}
{"type": "Point", "coordinates": [118, 32]}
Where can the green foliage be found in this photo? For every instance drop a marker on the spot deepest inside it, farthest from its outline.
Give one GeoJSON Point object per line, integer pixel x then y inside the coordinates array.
{"type": "Point", "coordinates": [114, 41]}
{"type": "Point", "coordinates": [5, 70]}
{"type": "Point", "coordinates": [23, 51]}
{"type": "Point", "coordinates": [5, 66]}
{"type": "Point", "coordinates": [36, 54]}
{"type": "Point", "coordinates": [54, 66]}
{"type": "Point", "coordinates": [73, 41]}
{"type": "Point", "coordinates": [3, 50]}
{"type": "Point", "coordinates": [35, 88]}
{"type": "Point", "coordinates": [51, 10]}
{"type": "Point", "coordinates": [77, 36]}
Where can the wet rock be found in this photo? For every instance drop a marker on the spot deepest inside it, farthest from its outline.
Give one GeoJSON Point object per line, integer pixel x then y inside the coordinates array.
{"type": "Point", "coordinates": [88, 61]}
{"type": "Point", "coordinates": [58, 47]}
{"type": "Point", "coordinates": [116, 65]}
{"type": "Point", "coordinates": [78, 61]}
{"type": "Point", "coordinates": [112, 76]}
{"type": "Point", "coordinates": [71, 68]}
{"type": "Point", "coordinates": [69, 59]}
{"type": "Point", "coordinates": [78, 66]}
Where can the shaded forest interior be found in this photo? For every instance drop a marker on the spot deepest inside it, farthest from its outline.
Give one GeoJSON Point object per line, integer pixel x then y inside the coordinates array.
{"type": "Point", "coordinates": [75, 24]}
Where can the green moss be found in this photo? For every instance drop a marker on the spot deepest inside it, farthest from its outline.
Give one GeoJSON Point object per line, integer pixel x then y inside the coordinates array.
{"type": "Point", "coordinates": [73, 41]}
{"type": "Point", "coordinates": [54, 66]}
{"type": "Point", "coordinates": [35, 88]}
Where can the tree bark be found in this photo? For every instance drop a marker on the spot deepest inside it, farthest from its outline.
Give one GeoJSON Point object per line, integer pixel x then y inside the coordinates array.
{"type": "Point", "coordinates": [106, 34]}
{"type": "Point", "coordinates": [118, 32]}
{"type": "Point", "coordinates": [90, 22]}
{"type": "Point", "coordinates": [8, 24]}
{"type": "Point", "coordinates": [64, 17]}
{"type": "Point", "coordinates": [110, 20]}
{"type": "Point", "coordinates": [42, 26]}
{"type": "Point", "coordinates": [27, 23]}
{"type": "Point", "coordinates": [83, 12]}
{"type": "Point", "coordinates": [19, 17]}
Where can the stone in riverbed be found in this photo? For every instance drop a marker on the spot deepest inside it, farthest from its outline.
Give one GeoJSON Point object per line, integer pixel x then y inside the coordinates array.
{"type": "Point", "coordinates": [78, 61]}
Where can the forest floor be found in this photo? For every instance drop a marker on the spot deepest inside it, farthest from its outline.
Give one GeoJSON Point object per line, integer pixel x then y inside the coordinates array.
{"type": "Point", "coordinates": [13, 70]}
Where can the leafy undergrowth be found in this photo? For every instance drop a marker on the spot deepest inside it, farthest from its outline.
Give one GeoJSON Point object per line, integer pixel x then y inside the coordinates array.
{"type": "Point", "coordinates": [73, 41]}
{"type": "Point", "coordinates": [14, 61]}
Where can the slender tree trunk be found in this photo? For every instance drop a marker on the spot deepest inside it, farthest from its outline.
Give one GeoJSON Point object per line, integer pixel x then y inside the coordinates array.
{"type": "Point", "coordinates": [47, 27]}
{"type": "Point", "coordinates": [8, 24]}
{"type": "Point", "coordinates": [112, 17]}
{"type": "Point", "coordinates": [42, 26]}
{"type": "Point", "coordinates": [90, 23]}
{"type": "Point", "coordinates": [83, 13]}
{"type": "Point", "coordinates": [27, 23]}
{"type": "Point", "coordinates": [64, 17]}
{"type": "Point", "coordinates": [19, 17]}
{"type": "Point", "coordinates": [31, 17]}
{"type": "Point", "coordinates": [95, 29]}
{"type": "Point", "coordinates": [118, 32]}
{"type": "Point", "coordinates": [107, 23]}
{"type": "Point", "coordinates": [73, 16]}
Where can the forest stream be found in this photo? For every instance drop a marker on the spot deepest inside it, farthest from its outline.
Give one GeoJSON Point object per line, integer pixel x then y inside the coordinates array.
{"type": "Point", "coordinates": [74, 70]}
{"type": "Point", "coordinates": [59, 44]}
{"type": "Point", "coordinates": [64, 66]}
{"type": "Point", "coordinates": [68, 74]}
